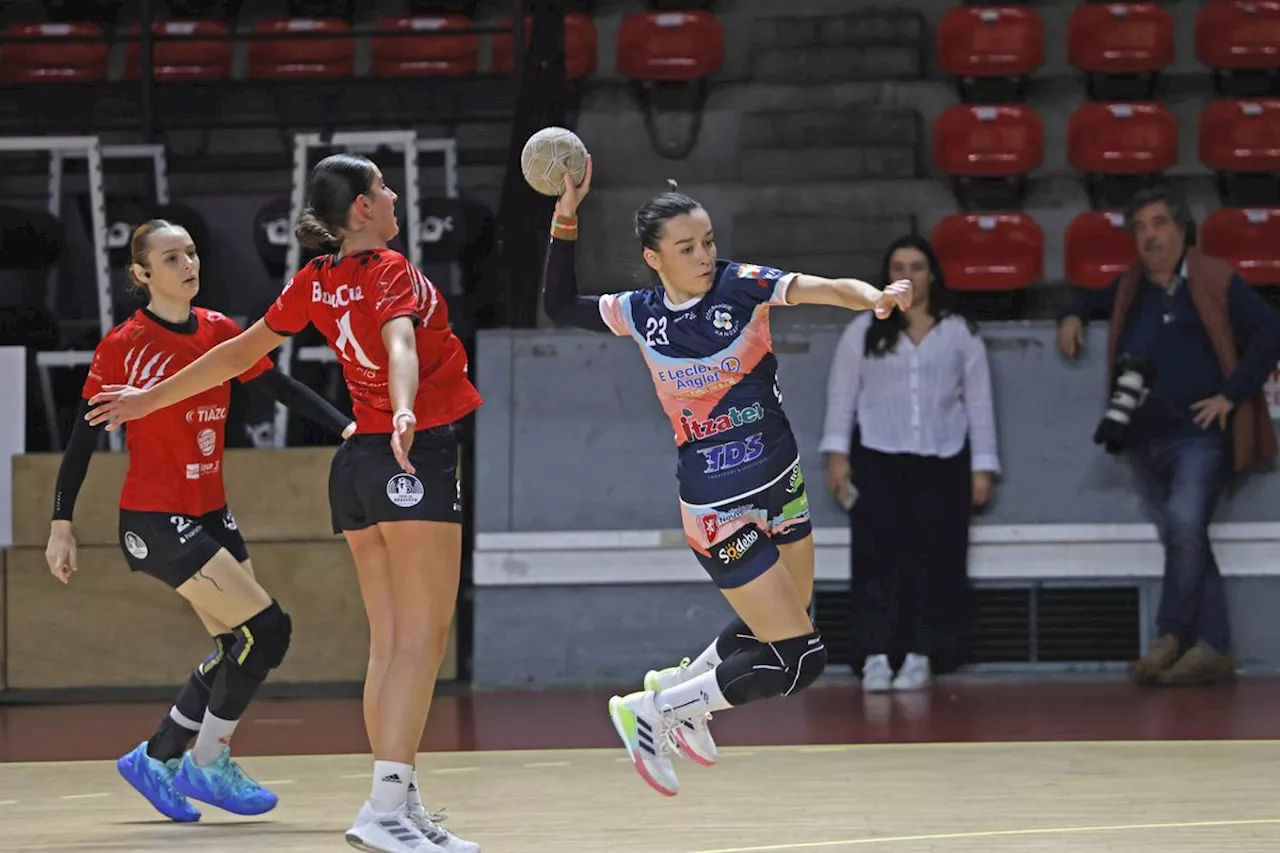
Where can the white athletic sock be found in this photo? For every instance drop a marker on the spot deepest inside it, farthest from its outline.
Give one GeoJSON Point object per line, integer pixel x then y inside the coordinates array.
{"type": "Point", "coordinates": [709, 659]}
{"type": "Point", "coordinates": [695, 697]}
{"type": "Point", "coordinates": [215, 734]}
{"type": "Point", "coordinates": [415, 796]}
{"type": "Point", "coordinates": [390, 785]}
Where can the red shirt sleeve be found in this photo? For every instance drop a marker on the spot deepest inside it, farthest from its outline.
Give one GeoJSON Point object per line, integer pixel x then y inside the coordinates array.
{"type": "Point", "coordinates": [288, 314]}
{"type": "Point", "coordinates": [401, 291]}
{"type": "Point", "coordinates": [224, 330]}
{"type": "Point", "coordinates": [107, 368]}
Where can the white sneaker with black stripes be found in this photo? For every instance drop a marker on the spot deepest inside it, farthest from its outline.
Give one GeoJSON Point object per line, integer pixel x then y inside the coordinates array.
{"type": "Point", "coordinates": [429, 824]}
{"type": "Point", "coordinates": [388, 832]}
{"type": "Point", "coordinates": [647, 733]}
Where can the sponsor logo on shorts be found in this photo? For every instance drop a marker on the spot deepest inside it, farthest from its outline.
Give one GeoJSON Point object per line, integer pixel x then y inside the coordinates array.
{"type": "Point", "coordinates": [696, 430]}
{"type": "Point", "coordinates": [710, 526]}
{"type": "Point", "coordinates": [796, 481]}
{"type": "Point", "coordinates": [732, 454]}
{"type": "Point", "coordinates": [229, 520]}
{"type": "Point", "coordinates": [186, 526]}
{"type": "Point", "coordinates": [737, 549]}
{"type": "Point", "coordinates": [207, 441]}
{"type": "Point", "coordinates": [405, 490]}
{"type": "Point", "coordinates": [135, 546]}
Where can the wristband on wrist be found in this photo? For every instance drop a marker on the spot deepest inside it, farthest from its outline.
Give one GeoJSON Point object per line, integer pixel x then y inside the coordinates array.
{"type": "Point", "coordinates": [564, 227]}
{"type": "Point", "coordinates": [402, 412]}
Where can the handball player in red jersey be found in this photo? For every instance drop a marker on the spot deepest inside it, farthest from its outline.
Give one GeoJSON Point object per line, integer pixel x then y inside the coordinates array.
{"type": "Point", "coordinates": [393, 487]}
{"type": "Point", "coordinates": [176, 527]}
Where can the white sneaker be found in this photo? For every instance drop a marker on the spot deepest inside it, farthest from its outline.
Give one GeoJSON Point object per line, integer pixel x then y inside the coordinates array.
{"type": "Point", "coordinates": [915, 673]}
{"type": "Point", "coordinates": [388, 832]}
{"type": "Point", "coordinates": [665, 679]}
{"type": "Point", "coordinates": [693, 739]}
{"type": "Point", "coordinates": [429, 824]}
{"type": "Point", "coordinates": [877, 675]}
{"type": "Point", "coordinates": [646, 732]}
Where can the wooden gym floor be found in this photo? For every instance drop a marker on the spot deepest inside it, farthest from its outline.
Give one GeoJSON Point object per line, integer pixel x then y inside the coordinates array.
{"type": "Point", "coordinates": [970, 767]}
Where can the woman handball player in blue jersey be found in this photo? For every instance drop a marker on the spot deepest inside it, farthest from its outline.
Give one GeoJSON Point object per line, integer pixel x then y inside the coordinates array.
{"type": "Point", "coordinates": [704, 332]}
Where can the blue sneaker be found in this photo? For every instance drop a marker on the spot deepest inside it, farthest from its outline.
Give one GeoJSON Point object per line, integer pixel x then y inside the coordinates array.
{"type": "Point", "coordinates": [153, 779]}
{"type": "Point", "coordinates": [223, 784]}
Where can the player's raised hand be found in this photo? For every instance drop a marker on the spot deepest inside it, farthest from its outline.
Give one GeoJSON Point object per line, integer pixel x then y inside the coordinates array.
{"type": "Point", "coordinates": [403, 424]}
{"type": "Point", "coordinates": [896, 295]}
{"type": "Point", "coordinates": [60, 553]}
{"type": "Point", "coordinates": [567, 203]}
{"type": "Point", "coordinates": [117, 404]}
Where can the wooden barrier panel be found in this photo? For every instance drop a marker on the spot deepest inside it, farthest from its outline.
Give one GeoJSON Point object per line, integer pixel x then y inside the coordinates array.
{"type": "Point", "coordinates": [276, 495]}
{"type": "Point", "coordinates": [111, 627]}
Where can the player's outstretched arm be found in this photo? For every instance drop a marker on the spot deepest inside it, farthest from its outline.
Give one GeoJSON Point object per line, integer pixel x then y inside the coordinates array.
{"type": "Point", "coordinates": [560, 297]}
{"type": "Point", "coordinates": [299, 398]}
{"type": "Point", "coordinates": [849, 293]}
{"type": "Point", "coordinates": [117, 404]}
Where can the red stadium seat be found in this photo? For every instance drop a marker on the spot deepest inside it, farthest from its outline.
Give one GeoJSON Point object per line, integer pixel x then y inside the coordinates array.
{"type": "Point", "coordinates": [1097, 248]}
{"type": "Point", "coordinates": [580, 46]}
{"type": "Point", "coordinates": [1120, 38]}
{"type": "Point", "coordinates": [1240, 41]}
{"type": "Point", "coordinates": [988, 141]}
{"type": "Point", "coordinates": [182, 59]}
{"type": "Point", "coordinates": [989, 252]}
{"type": "Point", "coordinates": [44, 62]}
{"type": "Point", "coordinates": [670, 47]}
{"type": "Point", "coordinates": [1241, 135]}
{"type": "Point", "coordinates": [990, 41]}
{"type": "Point", "coordinates": [427, 55]}
{"type": "Point", "coordinates": [302, 58]}
{"type": "Point", "coordinates": [1248, 239]}
{"type": "Point", "coordinates": [1122, 139]}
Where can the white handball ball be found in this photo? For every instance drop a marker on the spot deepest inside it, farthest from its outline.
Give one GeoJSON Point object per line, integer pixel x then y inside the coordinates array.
{"type": "Point", "coordinates": [550, 153]}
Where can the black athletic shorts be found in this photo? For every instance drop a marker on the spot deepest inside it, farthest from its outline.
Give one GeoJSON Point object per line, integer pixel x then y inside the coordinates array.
{"type": "Point", "coordinates": [172, 547]}
{"type": "Point", "coordinates": [367, 485]}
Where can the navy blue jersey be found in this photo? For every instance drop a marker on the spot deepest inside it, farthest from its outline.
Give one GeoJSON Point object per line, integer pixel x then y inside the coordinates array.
{"type": "Point", "coordinates": [714, 369]}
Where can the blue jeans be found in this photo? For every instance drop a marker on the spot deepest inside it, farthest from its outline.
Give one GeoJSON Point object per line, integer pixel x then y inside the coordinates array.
{"type": "Point", "coordinates": [1179, 480]}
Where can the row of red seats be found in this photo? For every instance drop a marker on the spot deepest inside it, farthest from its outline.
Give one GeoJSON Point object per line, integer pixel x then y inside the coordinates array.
{"type": "Point", "coordinates": [1005, 251]}
{"type": "Point", "coordinates": [992, 141]}
{"type": "Point", "coordinates": [652, 46]}
{"type": "Point", "coordinates": [1107, 38]}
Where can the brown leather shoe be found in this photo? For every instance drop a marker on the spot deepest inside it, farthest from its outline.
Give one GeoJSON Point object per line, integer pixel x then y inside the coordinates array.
{"type": "Point", "coordinates": [1162, 655]}
{"type": "Point", "coordinates": [1202, 664]}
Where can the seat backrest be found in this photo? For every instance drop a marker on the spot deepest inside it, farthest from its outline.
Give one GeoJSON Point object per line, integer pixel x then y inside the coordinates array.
{"type": "Point", "coordinates": [670, 46]}
{"type": "Point", "coordinates": [302, 58]}
{"type": "Point", "coordinates": [1239, 34]}
{"type": "Point", "coordinates": [997, 251]}
{"type": "Point", "coordinates": [425, 55]}
{"type": "Point", "coordinates": [988, 141]}
{"type": "Point", "coordinates": [990, 41]}
{"type": "Point", "coordinates": [181, 58]}
{"type": "Point", "coordinates": [1122, 139]}
{"type": "Point", "coordinates": [1097, 247]}
{"type": "Point", "coordinates": [40, 62]}
{"type": "Point", "coordinates": [1241, 135]}
{"type": "Point", "coordinates": [1246, 238]}
{"type": "Point", "coordinates": [581, 46]}
{"type": "Point", "coordinates": [1120, 38]}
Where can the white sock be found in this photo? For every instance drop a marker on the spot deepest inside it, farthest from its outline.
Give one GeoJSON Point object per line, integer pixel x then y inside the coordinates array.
{"type": "Point", "coordinates": [390, 785]}
{"type": "Point", "coordinates": [695, 697]}
{"type": "Point", "coordinates": [709, 659]}
{"type": "Point", "coordinates": [215, 735]}
{"type": "Point", "coordinates": [415, 796]}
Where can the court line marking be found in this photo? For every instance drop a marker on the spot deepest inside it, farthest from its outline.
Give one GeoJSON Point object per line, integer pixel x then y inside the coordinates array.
{"type": "Point", "coordinates": [8, 802]}
{"type": "Point", "coordinates": [84, 796]}
{"type": "Point", "coordinates": [548, 764]}
{"type": "Point", "coordinates": [995, 833]}
{"type": "Point", "coordinates": [440, 770]}
{"type": "Point", "coordinates": [356, 776]}
{"type": "Point", "coordinates": [277, 782]}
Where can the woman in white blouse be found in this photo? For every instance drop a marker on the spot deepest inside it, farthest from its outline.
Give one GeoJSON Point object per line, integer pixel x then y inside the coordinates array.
{"type": "Point", "coordinates": [918, 389]}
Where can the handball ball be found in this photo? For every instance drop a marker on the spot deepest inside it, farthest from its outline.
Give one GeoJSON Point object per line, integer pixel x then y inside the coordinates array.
{"type": "Point", "coordinates": [550, 153]}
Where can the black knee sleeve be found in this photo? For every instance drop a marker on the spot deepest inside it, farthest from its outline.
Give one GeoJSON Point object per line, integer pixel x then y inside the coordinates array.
{"type": "Point", "coordinates": [772, 669]}
{"type": "Point", "coordinates": [262, 642]}
{"type": "Point", "coordinates": [736, 637]}
{"type": "Point", "coordinates": [193, 698]}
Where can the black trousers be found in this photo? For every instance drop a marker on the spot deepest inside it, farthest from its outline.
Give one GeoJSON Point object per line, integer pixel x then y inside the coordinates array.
{"type": "Point", "coordinates": [909, 555]}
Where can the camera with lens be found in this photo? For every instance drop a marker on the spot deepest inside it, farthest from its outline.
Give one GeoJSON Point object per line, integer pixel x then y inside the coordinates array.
{"type": "Point", "coordinates": [1129, 391]}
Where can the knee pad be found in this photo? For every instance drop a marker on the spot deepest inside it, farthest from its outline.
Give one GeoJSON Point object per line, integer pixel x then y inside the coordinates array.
{"type": "Point", "coordinates": [262, 641]}
{"type": "Point", "coordinates": [772, 669]}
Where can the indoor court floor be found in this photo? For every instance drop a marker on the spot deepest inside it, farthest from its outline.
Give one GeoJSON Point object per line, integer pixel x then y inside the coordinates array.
{"type": "Point", "coordinates": [971, 767]}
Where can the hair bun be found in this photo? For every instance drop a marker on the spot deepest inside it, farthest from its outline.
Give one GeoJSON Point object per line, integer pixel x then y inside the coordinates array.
{"type": "Point", "coordinates": [672, 185]}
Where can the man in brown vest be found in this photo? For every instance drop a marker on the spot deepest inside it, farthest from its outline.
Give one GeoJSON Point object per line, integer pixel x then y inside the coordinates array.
{"type": "Point", "coordinates": [1213, 341]}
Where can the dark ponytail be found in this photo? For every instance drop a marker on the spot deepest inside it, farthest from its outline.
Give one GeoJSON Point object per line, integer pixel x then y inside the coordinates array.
{"type": "Point", "coordinates": [336, 181]}
{"type": "Point", "coordinates": [654, 214]}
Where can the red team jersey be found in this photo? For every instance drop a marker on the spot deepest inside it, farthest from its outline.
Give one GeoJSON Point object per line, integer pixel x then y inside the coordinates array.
{"type": "Point", "coordinates": [175, 454]}
{"type": "Point", "coordinates": [349, 300]}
